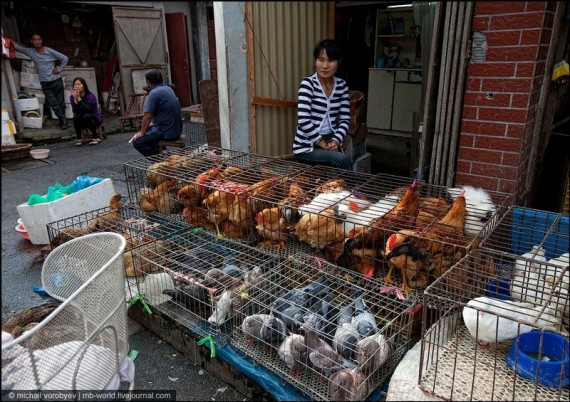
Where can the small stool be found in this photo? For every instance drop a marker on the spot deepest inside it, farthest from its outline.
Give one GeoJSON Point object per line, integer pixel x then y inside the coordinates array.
{"type": "Point", "coordinates": [179, 143]}
{"type": "Point", "coordinates": [86, 134]}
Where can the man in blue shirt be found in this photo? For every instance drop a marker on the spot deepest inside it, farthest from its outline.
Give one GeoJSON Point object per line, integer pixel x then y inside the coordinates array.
{"type": "Point", "coordinates": [162, 119]}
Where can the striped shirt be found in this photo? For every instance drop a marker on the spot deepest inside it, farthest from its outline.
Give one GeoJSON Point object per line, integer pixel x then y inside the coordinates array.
{"type": "Point", "coordinates": [313, 106]}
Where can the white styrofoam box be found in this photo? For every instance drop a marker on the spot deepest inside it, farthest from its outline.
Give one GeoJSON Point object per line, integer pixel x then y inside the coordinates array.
{"type": "Point", "coordinates": [32, 122]}
{"type": "Point", "coordinates": [7, 139]}
{"type": "Point", "coordinates": [66, 95]}
{"type": "Point", "coordinates": [28, 66]}
{"type": "Point", "coordinates": [68, 112]}
{"type": "Point", "coordinates": [29, 104]}
{"type": "Point", "coordinates": [36, 217]}
{"type": "Point", "coordinates": [30, 80]}
{"type": "Point", "coordinates": [362, 163]}
{"type": "Point", "coordinates": [5, 115]}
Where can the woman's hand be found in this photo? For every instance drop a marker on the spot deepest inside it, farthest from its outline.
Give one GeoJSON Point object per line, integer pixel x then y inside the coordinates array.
{"type": "Point", "coordinates": [322, 144]}
{"type": "Point", "coordinates": [75, 95]}
{"type": "Point", "coordinates": [333, 145]}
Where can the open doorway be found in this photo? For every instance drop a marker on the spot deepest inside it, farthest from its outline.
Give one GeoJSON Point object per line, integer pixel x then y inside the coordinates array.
{"type": "Point", "coordinates": [386, 47]}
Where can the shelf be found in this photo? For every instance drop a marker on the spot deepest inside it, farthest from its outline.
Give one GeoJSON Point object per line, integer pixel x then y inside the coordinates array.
{"type": "Point", "coordinates": [399, 36]}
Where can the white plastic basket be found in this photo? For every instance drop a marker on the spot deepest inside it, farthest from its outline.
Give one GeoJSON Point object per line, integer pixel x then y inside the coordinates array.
{"type": "Point", "coordinates": [83, 344]}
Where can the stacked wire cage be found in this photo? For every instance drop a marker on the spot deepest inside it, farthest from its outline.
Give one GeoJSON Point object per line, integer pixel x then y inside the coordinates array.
{"type": "Point", "coordinates": [325, 331]}
{"type": "Point", "coordinates": [138, 229]}
{"type": "Point", "coordinates": [500, 316]}
{"type": "Point", "coordinates": [200, 281]}
{"type": "Point", "coordinates": [208, 187]}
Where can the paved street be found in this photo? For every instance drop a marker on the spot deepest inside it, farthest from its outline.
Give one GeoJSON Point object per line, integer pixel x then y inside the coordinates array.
{"type": "Point", "coordinates": [158, 366]}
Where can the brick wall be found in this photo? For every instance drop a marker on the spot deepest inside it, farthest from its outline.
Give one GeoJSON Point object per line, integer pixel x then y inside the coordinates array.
{"type": "Point", "coordinates": [502, 93]}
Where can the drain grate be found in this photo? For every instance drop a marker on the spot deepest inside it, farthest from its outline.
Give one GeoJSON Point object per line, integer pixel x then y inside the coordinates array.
{"type": "Point", "coordinates": [25, 164]}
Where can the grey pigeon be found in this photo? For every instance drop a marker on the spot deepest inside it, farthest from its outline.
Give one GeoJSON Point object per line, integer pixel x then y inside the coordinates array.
{"type": "Point", "coordinates": [293, 352]}
{"type": "Point", "coordinates": [372, 352]}
{"type": "Point", "coordinates": [363, 319]}
{"type": "Point", "coordinates": [345, 314]}
{"type": "Point", "coordinates": [302, 297]}
{"type": "Point", "coordinates": [347, 385]}
{"type": "Point", "coordinates": [251, 326]}
{"type": "Point", "coordinates": [273, 330]}
{"type": "Point", "coordinates": [321, 354]}
{"type": "Point", "coordinates": [254, 278]}
{"type": "Point", "coordinates": [215, 278]}
{"type": "Point", "coordinates": [318, 318]}
{"type": "Point", "coordinates": [193, 296]}
{"type": "Point", "coordinates": [230, 268]}
{"type": "Point", "coordinates": [345, 339]}
{"type": "Point", "coordinates": [292, 316]}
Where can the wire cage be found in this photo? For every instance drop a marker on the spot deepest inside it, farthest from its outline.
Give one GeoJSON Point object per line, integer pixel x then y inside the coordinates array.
{"type": "Point", "coordinates": [83, 343]}
{"type": "Point", "coordinates": [201, 281]}
{"type": "Point", "coordinates": [391, 223]}
{"type": "Point", "coordinates": [500, 329]}
{"type": "Point", "coordinates": [308, 297]}
{"type": "Point", "coordinates": [207, 186]}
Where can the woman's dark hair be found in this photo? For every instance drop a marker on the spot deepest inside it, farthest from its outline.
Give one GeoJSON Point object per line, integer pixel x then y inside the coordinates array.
{"type": "Point", "coordinates": [82, 80]}
{"type": "Point", "coordinates": [330, 46]}
{"type": "Point", "coordinates": [154, 76]}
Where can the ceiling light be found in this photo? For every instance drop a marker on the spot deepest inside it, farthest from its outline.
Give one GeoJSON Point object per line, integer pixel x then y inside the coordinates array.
{"type": "Point", "coordinates": [399, 6]}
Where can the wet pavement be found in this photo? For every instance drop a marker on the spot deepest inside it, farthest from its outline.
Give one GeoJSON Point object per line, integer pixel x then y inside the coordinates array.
{"type": "Point", "coordinates": [158, 366]}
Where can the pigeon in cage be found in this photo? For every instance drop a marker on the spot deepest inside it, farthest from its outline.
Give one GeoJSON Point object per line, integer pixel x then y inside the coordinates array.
{"type": "Point", "coordinates": [293, 352]}
{"type": "Point", "coordinates": [347, 385]}
{"type": "Point", "coordinates": [481, 317]}
{"type": "Point", "coordinates": [345, 340]}
{"type": "Point", "coordinates": [230, 268]}
{"type": "Point", "coordinates": [302, 297]}
{"type": "Point", "coordinates": [254, 278]}
{"type": "Point", "coordinates": [321, 354]}
{"type": "Point", "coordinates": [292, 316]}
{"type": "Point", "coordinates": [193, 296]}
{"type": "Point", "coordinates": [363, 320]}
{"type": "Point", "coordinates": [372, 352]}
{"type": "Point", "coordinates": [251, 326]}
{"type": "Point", "coordinates": [273, 329]}
{"type": "Point", "coordinates": [215, 278]}
{"type": "Point", "coordinates": [318, 318]}
{"type": "Point", "coordinates": [223, 308]}
{"type": "Point", "coordinates": [345, 314]}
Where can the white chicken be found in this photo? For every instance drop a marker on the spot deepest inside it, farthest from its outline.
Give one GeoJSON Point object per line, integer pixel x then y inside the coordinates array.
{"type": "Point", "coordinates": [479, 206]}
{"type": "Point", "coordinates": [322, 202]}
{"type": "Point", "coordinates": [530, 261]}
{"type": "Point", "coordinates": [481, 317]}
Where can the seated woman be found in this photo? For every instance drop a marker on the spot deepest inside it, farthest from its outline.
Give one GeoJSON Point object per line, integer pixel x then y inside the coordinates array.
{"type": "Point", "coordinates": [86, 112]}
{"type": "Point", "coordinates": [323, 114]}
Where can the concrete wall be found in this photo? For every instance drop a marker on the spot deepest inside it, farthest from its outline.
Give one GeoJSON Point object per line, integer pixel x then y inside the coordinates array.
{"type": "Point", "coordinates": [232, 75]}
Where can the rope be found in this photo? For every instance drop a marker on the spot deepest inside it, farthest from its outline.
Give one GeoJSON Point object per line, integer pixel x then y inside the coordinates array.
{"type": "Point", "coordinates": [263, 54]}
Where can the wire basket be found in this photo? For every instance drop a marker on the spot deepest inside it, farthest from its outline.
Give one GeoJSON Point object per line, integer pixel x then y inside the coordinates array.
{"type": "Point", "coordinates": [82, 344]}
{"type": "Point", "coordinates": [11, 153]}
{"type": "Point", "coordinates": [338, 287]}
{"type": "Point", "coordinates": [480, 307]}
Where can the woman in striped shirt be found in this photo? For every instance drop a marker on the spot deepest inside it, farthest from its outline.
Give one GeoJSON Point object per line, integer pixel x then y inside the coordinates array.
{"type": "Point", "coordinates": [323, 115]}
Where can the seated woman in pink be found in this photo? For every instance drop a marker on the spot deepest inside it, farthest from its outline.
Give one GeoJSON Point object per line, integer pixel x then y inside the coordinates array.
{"type": "Point", "coordinates": [86, 112]}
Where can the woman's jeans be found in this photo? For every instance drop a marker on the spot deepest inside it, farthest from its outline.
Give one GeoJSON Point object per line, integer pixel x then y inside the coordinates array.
{"type": "Point", "coordinates": [321, 156]}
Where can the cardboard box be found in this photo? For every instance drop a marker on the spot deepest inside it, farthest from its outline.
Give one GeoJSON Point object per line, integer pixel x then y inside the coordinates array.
{"type": "Point", "coordinates": [36, 217]}
{"type": "Point", "coordinates": [29, 104]}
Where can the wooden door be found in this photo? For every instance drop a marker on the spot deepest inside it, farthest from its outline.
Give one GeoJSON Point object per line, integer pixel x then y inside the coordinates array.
{"type": "Point", "coordinates": [177, 34]}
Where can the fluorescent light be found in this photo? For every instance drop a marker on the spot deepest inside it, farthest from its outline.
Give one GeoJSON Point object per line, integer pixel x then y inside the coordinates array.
{"type": "Point", "coordinates": [399, 6]}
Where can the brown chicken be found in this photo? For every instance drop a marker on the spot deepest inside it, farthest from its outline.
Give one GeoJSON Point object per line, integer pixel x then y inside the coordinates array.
{"type": "Point", "coordinates": [288, 206]}
{"type": "Point", "coordinates": [165, 197]}
{"type": "Point", "coordinates": [232, 230]}
{"type": "Point", "coordinates": [145, 195]}
{"type": "Point", "coordinates": [240, 213]}
{"type": "Point", "coordinates": [435, 206]}
{"type": "Point", "coordinates": [196, 216]}
{"type": "Point", "coordinates": [402, 216]}
{"type": "Point", "coordinates": [432, 251]}
{"type": "Point", "coordinates": [269, 193]}
{"type": "Point", "coordinates": [189, 195]}
{"type": "Point", "coordinates": [161, 171]}
{"type": "Point", "coordinates": [205, 178]}
{"type": "Point", "coordinates": [107, 221]}
{"type": "Point", "coordinates": [272, 227]}
{"type": "Point", "coordinates": [218, 205]}
{"type": "Point", "coordinates": [66, 234]}
{"type": "Point", "coordinates": [145, 249]}
{"type": "Point", "coordinates": [332, 186]}
{"type": "Point", "coordinates": [321, 230]}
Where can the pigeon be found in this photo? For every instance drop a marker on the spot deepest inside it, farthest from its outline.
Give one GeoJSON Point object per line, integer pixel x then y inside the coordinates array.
{"type": "Point", "coordinates": [293, 351]}
{"type": "Point", "coordinates": [302, 297]}
{"type": "Point", "coordinates": [319, 318]}
{"type": "Point", "coordinates": [251, 326]}
{"type": "Point", "coordinates": [363, 320]}
{"type": "Point", "coordinates": [193, 296]}
{"type": "Point", "coordinates": [486, 326]}
{"type": "Point", "coordinates": [272, 330]}
{"type": "Point", "coordinates": [347, 385]}
{"type": "Point", "coordinates": [372, 352]}
{"type": "Point", "coordinates": [345, 339]}
{"type": "Point", "coordinates": [292, 316]}
{"type": "Point", "coordinates": [345, 314]}
{"type": "Point", "coordinates": [215, 278]}
{"type": "Point", "coordinates": [255, 278]}
{"type": "Point", "coordinates": [222, 310]}
{"type": "Point", "coordinates": [321, 354]}
{"type": "Point", "coordinates": [230, 268]}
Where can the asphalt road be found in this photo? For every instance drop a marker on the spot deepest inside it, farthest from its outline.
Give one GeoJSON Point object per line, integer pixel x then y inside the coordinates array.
{"type": "Point", "coordinates": [159, 366]}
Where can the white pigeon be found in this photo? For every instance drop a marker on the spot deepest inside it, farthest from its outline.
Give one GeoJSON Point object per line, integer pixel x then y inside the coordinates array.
{"type": "Point", "coordinates": [489, 327]}
{"type": "Point", "coordinates": [479, 208]}
{"type": "Point", "coordinates": [223, 306]}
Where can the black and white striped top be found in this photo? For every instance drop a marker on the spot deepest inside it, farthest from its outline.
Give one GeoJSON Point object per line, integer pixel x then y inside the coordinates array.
{"type": "Point", "coordinates": [313, 106]}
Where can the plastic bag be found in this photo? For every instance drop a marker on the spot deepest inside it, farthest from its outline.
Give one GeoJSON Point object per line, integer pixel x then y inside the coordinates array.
{"type": "Point", "coordinates": [85, 181]}
{"type": "Point", "coordinates": [58, 191]}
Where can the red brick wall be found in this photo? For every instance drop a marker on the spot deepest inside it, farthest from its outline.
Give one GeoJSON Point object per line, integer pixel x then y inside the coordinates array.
{"type": "Point", "coordinates": [495, 132]}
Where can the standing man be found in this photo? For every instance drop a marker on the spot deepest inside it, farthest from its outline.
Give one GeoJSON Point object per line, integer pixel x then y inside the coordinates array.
{"type": "Point", "coordinates": [46, 59]}
{"type": "Point", "coordinates": [162, 118]}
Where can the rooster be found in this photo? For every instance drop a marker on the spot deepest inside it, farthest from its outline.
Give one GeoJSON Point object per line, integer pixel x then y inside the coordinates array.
{"type": "Point", "coordinates": [204, 179]}
{"type": "Point", "coordinates": [108, 220]}
{"type": "Point", "coordinates": [272, 227]}
{"type": "Point", "coordinates": [402, 216]}
{"type": "Point", "coordinates": [433, 250]}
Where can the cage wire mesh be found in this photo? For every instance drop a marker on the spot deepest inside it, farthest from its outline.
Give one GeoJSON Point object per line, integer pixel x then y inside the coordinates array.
{"type": "Point", "coordinates": [307, 298]}
{"type": "Point", "coordinates": [82, 343]}
{"type": "Point", "coordinates": [482, 308]}
{"type": "Point", "coordinates": [201, 281]}
{"type": "Point", "coordinates": [138, 229]}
